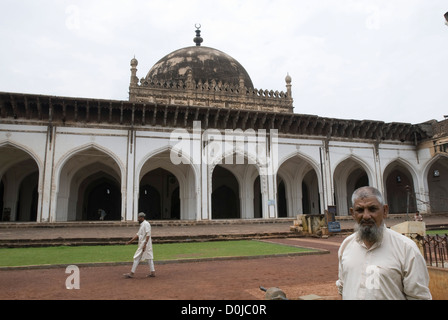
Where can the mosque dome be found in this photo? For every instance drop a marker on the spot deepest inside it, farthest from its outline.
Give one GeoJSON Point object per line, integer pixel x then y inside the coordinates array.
{"type": "Point", "coordinates": [205, 64]}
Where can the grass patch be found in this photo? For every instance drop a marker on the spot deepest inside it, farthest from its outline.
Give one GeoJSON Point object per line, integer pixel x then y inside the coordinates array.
{"type": "Point", "coordinates": [169, 251]}
{"type": "Point", "coordinates": [439, 232]}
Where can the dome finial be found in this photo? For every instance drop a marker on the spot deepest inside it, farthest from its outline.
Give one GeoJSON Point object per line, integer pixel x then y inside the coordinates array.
{"type": "Point", "coordinates": [198, 40]}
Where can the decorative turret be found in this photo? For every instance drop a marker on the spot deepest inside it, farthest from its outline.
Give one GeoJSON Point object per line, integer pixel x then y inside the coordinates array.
{"type": "Point", "coordinates": [134, 79]}
{"type": "Point", "coordinates": [288, 86]}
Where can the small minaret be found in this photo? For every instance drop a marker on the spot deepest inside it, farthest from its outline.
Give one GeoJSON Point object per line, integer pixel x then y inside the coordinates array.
{"type": "Point", "coordinates": [134, 79]}
{"type": "Point", "coordinates": [288, 86]}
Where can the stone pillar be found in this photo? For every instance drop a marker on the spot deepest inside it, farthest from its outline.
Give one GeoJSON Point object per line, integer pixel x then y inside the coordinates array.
{"type": "Point", "coordinates": [272, 169]}
{"type": "Point", "coordinates": [49, 192]}
{"type": "Point", "coordinates": [206, 188]}
{"type": "Point", "coordinates": [326, 181]}
{"type": "Point", "coordinates": [130, 192]}
{"type": "Point", "coordinates": [378, 172]}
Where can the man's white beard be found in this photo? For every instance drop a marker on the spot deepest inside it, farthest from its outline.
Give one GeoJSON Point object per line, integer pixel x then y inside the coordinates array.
{"type": "Point", "coordinates": [369, 234]}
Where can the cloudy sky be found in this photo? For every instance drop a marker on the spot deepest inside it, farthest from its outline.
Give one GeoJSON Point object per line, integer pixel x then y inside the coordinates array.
{"type": "Point", "coordinates": [382, 60]}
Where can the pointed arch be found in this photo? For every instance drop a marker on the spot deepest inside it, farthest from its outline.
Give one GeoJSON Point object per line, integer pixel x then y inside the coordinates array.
{"type": "Point", "coordinates": [77, 172]}
{"type": "Point", "coordinates": [302, 156]}
{"type": "Point", "coordinates": [114, 160]}
{"type": "Point", "coordinates": [21, 178]}
{"type": "Point", "coordinates": [350, 173]}
{"type": "Point", "coordinates": [15, 158]}
{"type": "Point", "coordinates": [435, 177]}
{"type": "Point", "coordinates": [298, 186]}
{"type": "Point", "coordinates": [359, 162]}
{"type": "Point", "coordinates": [159, 195]}
{"type": "Point", "coordinates": [225, 194]}
{"type": "Point", "coordinates": [186, 175]}
{"type": "Point", "coordinates": [185, 160]}
{"type": "Point", "coordinates": [246, 168]}
{"type": "Point", "coordinates": [400, 185]}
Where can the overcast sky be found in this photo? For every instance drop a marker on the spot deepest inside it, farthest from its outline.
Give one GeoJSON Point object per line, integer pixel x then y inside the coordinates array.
{"type": "Point", "coordinates": [381, 60]}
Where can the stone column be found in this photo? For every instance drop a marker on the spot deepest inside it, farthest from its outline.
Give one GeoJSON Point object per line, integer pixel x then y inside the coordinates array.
{"type": "Point", "coordinates": [49, 192]}
{"type": "Point", "coordinates": [130, 192]}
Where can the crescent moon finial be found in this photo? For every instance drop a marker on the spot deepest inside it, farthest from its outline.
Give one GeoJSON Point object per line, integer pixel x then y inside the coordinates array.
{"type": "Point", "coordinates": [198, 40]}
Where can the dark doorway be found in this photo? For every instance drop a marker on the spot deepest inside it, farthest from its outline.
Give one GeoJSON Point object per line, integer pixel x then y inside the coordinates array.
{"type": "Point", "coordinates": [102, 194]}
{"type": "Point", "coordinates": [225, 195]}
{"type": "Point", "coordinates": [258, 209]}
{"type": "Point", "coordinates": [400, 192]}
{"type": "Point", "coordinates": [438, 185]}
{"type": "Point", "coordinates": [281, 200]}
{"type": "Point", "coordinates": [159, 195]}
{"type": "Point", "coordinates": [306, 204]}
{"type": "Point", "coordinates": [225, 204]}
{"type": "Point", "coordinates": [28, 198]}
{"type": "Point", "coordinates": [149, 202]}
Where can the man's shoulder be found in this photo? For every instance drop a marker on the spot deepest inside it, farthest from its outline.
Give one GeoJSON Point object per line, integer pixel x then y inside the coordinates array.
{"type": "Point", "coordinates": [146, 224]}
{"type": "Point", "coordinates": [350, 238]}
{"type": "Point", "coordinates": [347, 241]}
{"type": "Point", "coordinates": [402, 239]}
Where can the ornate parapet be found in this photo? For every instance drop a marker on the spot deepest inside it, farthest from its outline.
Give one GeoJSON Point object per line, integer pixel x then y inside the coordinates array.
{"type": "Point", "coordinates": [210, 94]}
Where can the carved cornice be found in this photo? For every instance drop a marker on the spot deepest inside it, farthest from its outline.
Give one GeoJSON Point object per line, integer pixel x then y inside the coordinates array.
{"type": "Point", "coordinates": [56, 110]}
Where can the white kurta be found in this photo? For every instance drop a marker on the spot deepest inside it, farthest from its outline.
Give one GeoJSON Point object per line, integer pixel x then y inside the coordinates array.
{"type": "Point", "coordinates": [391, 270]}
{"type": "Point", "coordinates": [143, 232]}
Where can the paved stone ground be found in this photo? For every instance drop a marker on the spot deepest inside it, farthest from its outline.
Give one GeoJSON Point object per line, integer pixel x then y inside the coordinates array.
{"type": "Point", "coordinates": [238, 279]}
{"type": "Point", "coordinates": [208, 280]}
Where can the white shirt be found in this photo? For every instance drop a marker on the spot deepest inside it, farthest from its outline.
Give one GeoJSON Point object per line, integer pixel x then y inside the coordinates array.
{"type": "Point", "coordinates": [393, 269]}
{"type": "Point", "coordinates": [143, 232]}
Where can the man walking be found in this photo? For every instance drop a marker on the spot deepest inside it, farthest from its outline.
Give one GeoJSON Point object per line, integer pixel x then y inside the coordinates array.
{"type": "Point", "coordinates": [144, 251]}
{"type": "Point", "coordinates": [376, 263]}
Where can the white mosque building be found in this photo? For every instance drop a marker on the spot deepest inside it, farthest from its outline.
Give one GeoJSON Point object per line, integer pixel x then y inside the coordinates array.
{"type": "Point", "coordinates": [197, 141]}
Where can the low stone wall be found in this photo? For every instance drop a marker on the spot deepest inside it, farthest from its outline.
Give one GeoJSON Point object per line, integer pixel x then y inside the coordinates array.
{"type": "Point", "coordinates": [438, 283]}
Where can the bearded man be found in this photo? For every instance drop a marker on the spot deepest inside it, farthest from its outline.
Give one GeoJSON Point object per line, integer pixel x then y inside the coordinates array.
{"type": "Point", "coordinates": [376, 263]}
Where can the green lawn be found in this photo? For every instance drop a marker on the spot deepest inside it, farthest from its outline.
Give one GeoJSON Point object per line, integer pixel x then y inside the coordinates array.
{"type": "Point", "coordinates": [172, 251]}
{"type": "Point", "coordinates": [439, 232]}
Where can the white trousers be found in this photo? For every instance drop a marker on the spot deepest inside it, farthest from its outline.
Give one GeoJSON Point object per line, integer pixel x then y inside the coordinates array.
{"type": "Point", "coordinates": [137, 262]}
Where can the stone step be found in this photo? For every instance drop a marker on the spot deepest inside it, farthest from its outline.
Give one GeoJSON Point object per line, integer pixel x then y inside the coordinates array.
{"type": "Point", "coordinates": [20, 243]}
